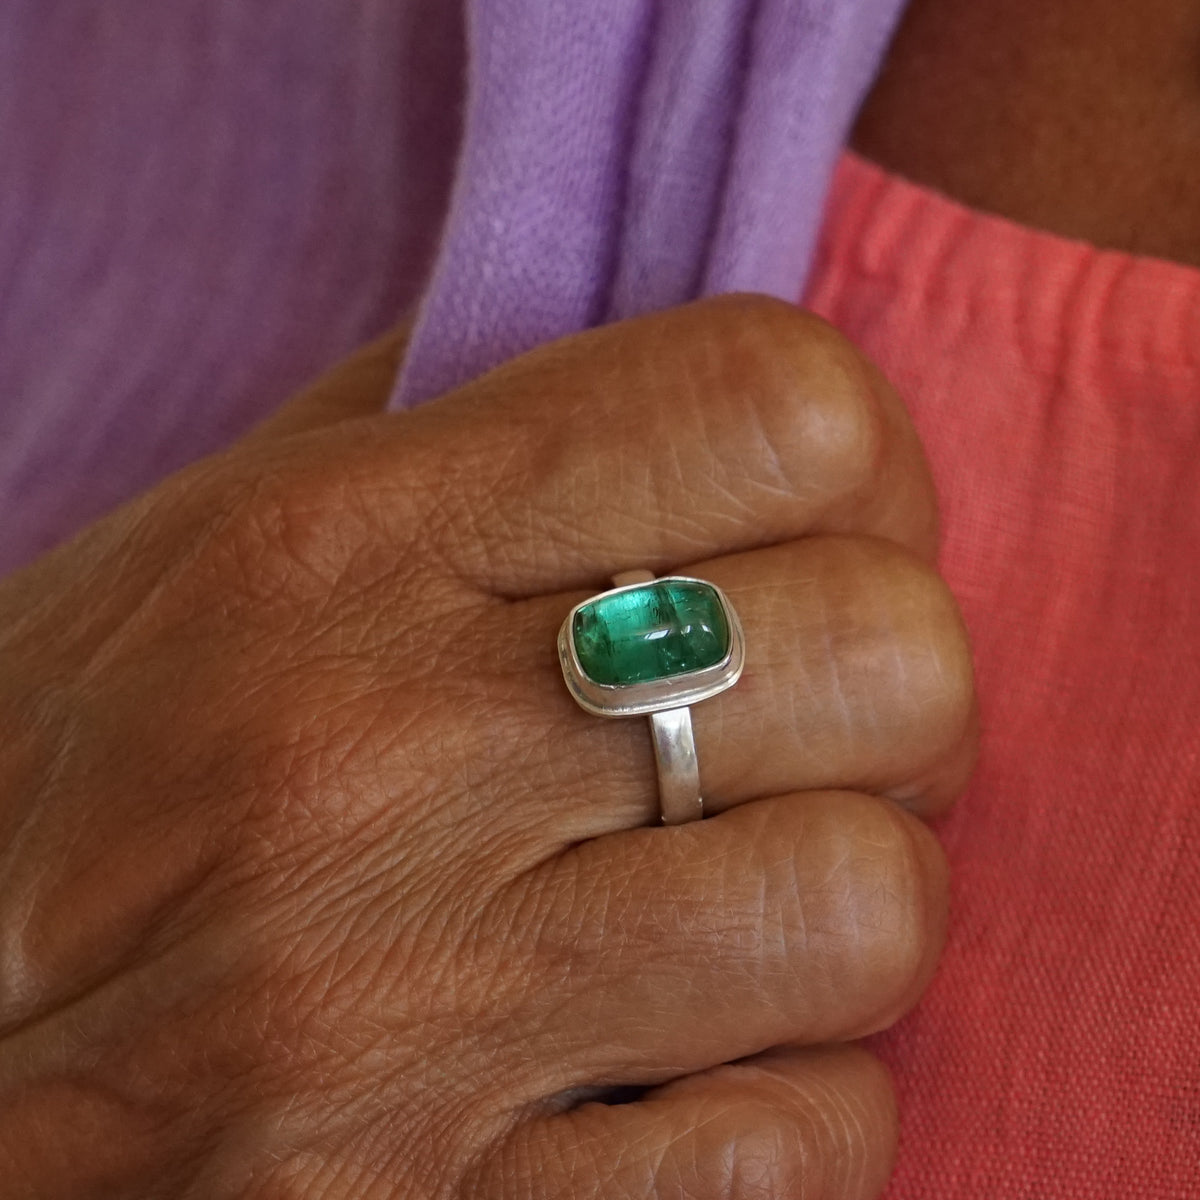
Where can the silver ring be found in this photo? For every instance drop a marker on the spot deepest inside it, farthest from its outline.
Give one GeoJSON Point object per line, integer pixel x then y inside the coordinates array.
{"type": "Point", "coordinates": [654, 647]}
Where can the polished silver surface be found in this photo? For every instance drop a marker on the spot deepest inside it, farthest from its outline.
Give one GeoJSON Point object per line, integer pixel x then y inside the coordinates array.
{"type": "Point", "coordinates": [678, 771]}
{"type": "Point", "coordinates": [665, 701]}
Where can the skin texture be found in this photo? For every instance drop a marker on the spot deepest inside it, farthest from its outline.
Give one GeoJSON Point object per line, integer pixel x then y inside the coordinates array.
{"type": "Point", "coordinates": [1078, 116]}
{"type": "Point", "coordinates": [316, 883]}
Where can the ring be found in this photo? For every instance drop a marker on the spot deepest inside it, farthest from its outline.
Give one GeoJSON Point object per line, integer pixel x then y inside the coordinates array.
{"type": "Point", "coordinates": [654, 647]}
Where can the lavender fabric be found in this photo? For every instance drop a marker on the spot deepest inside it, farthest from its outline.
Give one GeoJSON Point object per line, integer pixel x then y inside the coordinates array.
{"type": "Point", "coordinates": [203, 203]}
{"type": "Point", "coordinates": [626, 156]}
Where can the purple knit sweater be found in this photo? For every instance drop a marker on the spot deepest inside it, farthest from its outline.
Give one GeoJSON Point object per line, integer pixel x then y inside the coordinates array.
{"type": "Point", "coordinates": [204, 203]}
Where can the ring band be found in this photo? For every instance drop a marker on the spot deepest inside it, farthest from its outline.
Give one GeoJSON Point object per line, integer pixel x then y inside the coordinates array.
{"type": "Point", "coordinates": [653, 647]}
{"type": "Point", "coordinates": [679, 795]}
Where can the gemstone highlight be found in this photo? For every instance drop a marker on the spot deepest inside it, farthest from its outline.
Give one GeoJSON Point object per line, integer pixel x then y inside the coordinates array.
{"type": "Point", "coordinates": [653, 631]}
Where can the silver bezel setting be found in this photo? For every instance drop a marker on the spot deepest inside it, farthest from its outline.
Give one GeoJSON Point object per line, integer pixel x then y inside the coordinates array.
{"type": "Point", "coordinates": [656, 695]}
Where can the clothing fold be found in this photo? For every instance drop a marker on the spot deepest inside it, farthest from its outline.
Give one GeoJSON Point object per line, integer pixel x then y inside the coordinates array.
{"type": "Point", "coordinates": [623, 160]}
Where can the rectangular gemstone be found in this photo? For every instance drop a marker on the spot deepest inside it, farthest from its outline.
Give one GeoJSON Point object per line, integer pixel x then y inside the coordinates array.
{"type": "Point", "coordinates": [652, 631]}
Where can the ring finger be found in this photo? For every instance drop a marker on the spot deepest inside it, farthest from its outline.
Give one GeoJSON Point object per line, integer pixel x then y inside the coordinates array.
{"type": "Point", "coordinates": [858, 676]}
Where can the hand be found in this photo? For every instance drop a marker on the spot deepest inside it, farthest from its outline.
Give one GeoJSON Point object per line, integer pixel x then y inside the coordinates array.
{"type": "Point", "coordinates": [315, 882]}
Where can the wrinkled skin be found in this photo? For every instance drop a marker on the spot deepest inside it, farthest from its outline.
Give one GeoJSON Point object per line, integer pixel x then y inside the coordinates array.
{"type": "Point", "coordinates": [316, 883]}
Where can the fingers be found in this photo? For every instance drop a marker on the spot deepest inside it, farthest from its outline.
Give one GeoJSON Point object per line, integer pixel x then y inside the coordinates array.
{"type": "Point", "coordinates": [815, 1124]}
{"type": "Point", "coordinates": [700, 431]}
{"type": "Point", "coordinates": [861, 678]}
{"type": "Point", "coordinates": [654, 952]}
{"type": "Point", "coordinates": [858, 675]}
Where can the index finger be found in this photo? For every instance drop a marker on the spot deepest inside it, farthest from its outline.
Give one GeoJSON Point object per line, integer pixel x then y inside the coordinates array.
{"type": "Point", "coordinates": [705, 430]}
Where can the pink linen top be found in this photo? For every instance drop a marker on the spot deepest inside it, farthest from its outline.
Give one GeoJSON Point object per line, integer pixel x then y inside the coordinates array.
{"type": "Point", "coordinates": [1057, 390]}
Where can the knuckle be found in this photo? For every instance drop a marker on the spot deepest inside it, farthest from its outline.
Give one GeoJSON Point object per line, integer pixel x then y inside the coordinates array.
{"type": "Point", "coordinates": [814, 395]}
{"type": "Point", "coordinates": [842, 1106]}
{"type": "Point", "coordinates": [904, 646]}
{"type": "Point", "coordinates": [938, 666]}
{"type": "Point", "coordinates": [291, 527]}
{"type": "Point", "coordinates": [345, 726]}
{"type": "Point", "coordinates": [282, 533]}
{"type": "Point", "coordinates": [327, 755]}
{"type": "Point", "coordinates": [753, 1150]}
{"type": "Point", "coordinates": [874, 906]}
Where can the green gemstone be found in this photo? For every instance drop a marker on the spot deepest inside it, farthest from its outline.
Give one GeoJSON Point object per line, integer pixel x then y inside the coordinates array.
{"type": "Point", "coordinates": [653, 631]}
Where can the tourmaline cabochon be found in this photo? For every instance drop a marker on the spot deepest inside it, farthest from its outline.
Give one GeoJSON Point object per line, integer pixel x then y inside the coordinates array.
{"type": "Point", "coordinates": [652, 631]}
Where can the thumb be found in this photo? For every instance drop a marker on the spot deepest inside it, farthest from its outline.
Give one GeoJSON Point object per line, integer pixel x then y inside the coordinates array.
{"type": "Point", "coordinates": [359, 386]}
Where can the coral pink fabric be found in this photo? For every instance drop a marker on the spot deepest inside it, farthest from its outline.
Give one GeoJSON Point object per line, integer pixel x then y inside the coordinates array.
{"type": "Point", "coordinates": [1057, 389]}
